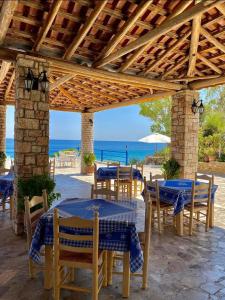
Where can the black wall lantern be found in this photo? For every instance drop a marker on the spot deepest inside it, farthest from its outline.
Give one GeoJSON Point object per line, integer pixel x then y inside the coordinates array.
{"type": "Point", "coordinates": [197, 107]}
{"type": "Point", "coordinates": [32, 82]}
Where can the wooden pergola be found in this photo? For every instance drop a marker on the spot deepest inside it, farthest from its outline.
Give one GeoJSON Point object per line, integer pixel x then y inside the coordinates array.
{"type": "Point", "coordinates": [104, 54]}
{"type": "Point", "coordinates": [112, 53]}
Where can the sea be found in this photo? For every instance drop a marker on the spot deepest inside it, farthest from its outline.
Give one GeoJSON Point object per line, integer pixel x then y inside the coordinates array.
{"type": "Point", "coordinates": [104, 150]}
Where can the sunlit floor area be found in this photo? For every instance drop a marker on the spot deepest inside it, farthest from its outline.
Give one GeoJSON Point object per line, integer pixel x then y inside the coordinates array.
{"type": "Point", "coordinates": [180, 267]}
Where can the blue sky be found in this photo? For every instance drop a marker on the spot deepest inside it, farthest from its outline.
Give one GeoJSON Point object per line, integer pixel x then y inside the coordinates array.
{"type": "Point", "coordinates": [120, 124]}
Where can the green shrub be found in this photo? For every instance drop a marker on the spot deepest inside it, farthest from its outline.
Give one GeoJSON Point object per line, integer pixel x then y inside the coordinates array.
{"type": "Point", "coordinates": [2, 158]}
{"type": "Point", "coordinates": [89, 159]}
{"type": "Point", "coordinates": [171, 169]}
{"type": "Point", "coordinates": [34, 186]}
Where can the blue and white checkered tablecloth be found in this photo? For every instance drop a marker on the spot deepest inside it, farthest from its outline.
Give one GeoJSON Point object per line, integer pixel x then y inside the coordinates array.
{"type": "Point", "coordinates": [117, 227]}
{"type": "Point", "coordinates": [178, 192]}
{"type": "Point", "coordinates": [6, 185]}
{"type": "Point", "coordinates": [105, 173]}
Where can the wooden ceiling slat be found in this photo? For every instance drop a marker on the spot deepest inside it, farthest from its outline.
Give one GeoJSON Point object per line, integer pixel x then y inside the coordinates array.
{"type": "Point", "coordinates": [209, 63]}
{"type": "Point", "coordinates": [213, 40]}
{"type": "Point", "coordinates": [6, 14]}
{"type": "Point", "coordinates": [60, 81]}
{"type": "Point", "coordinates": [9, 86]}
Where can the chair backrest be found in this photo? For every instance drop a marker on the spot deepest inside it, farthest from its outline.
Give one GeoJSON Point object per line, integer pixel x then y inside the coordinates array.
{"type": "Point", "coordinates": [4, 171]}
{"type": "Point", "coordinates": [156, 177]}
{"type": "Point", "coordinates": [124, 173]}
{"type": "Point", "coordinates": [34, 209]}
{"type": "Point", "coordinates": [62, 240]}
{"type": "Point", "coordinates": [153, 191]}
{"type": "Point", "coordinates": [52, 168]}
{"type": "Point", "coordinates": [205, 177]}
{"type": "Point", "coordinates": [140, 167]}
{"type": "Point", "coordinates": [148, 226]}
{"type": "Point", "coordinates": [113, 164]}
{"type": "Point", "coordinates": [104, 193]}
{"type": "Point", "coordinates": [201, 193]}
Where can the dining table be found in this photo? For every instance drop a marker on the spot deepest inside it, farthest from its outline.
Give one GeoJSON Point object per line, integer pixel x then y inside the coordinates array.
{"type": "Point", "coordinates": [110, 173]}
{"type": "Point", "coordinates": [117, 232]}
{"type": "Point", "coordinates": [178, 192]}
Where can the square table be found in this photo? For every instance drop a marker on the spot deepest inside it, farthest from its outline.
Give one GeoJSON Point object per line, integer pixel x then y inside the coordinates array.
{"type": "Point", "coordinates": [109, 173]}
{"type": "Point", "coordinates": [117, 231]}
{"type": "Point", "coordinates": [178, 193]}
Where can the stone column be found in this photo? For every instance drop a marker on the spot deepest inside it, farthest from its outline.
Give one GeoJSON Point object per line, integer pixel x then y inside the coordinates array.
{"type": "Point", "coordinates": [184, 133]}
{"type": "Point", "coordinates": [31, 129]}
{"type": "Point", "coordinates": [87, 136]}
{"type": "Point", "coordinates": [2, 127]}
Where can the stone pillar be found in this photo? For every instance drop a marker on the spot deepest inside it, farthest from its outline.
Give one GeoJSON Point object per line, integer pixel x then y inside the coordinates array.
{"type": "Point", "coordinates": [2, 127]}
{"type": "Point", "coordinates": [31, 129]}
{"type": "Point", "coordinates": [184, 133]}
{"type": "Point", "coordinates": [87, 136]}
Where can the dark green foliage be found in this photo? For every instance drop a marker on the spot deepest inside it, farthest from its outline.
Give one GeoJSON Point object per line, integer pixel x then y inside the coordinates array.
{"type": "Point", "coordinates": [171, 169]}
{"type": "Point", "coordinates": [34, 186]}
{"type": "Point", "coordinates": [2, 158]}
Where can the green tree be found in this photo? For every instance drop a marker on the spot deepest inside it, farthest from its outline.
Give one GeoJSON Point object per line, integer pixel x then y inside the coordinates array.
{"type": "Point", "coordinates": [159, 113]}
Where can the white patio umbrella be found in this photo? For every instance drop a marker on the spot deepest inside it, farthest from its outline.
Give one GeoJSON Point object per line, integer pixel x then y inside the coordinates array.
{"type": "Point", "coordinates": [156, 138]}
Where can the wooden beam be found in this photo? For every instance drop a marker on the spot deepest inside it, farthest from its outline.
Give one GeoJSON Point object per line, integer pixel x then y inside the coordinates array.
{"type": "Point", "coordinates": [175, 67]}
{"type": "Point", "coordinates": [70, 97]}
{"type": "Point", "coordinates": [162, 29]}
{"type": "Point", "coordinates": [168, 51]}
{"type": "Point", "coordinates": [212, 40]}
{"type": "Point", "coordinates": [209, 64]}
{"type": "Point", "coordinates": [112, 77]}
{"type": "Point", "coordinates": [4, 70]}
{"type": "Point", "coordinates": [85, 29]}
{"type": "Point", "coordinates": [8, 89]}
{"type": "Point", "coordinates": [200, 84]}
{"type": "Point", "coordinates": [196, 25]}
{"type": "Point", "coordinates": [143, 99]}
{"type": "Point", "coordinates": [194, 78]}
{"type": "Point", "coordinates": [6, 14]}
{"type": "Point", "coordinates": [48, 23]}
{"type": "Point", "coordinates": [221, 8]}
{"type": "Point", "coordinates": [60, 81]}
{"type": "Point", "coordinates": [141, 8]}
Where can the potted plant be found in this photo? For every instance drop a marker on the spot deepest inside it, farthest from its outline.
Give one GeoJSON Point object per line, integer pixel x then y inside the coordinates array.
{"type": "Point", "coordinates": [171, 169]}
{"type": "Point", "coordinates": [210, 154]}
{"type": "Point", "coordinates": [89, 159]}
{"type": "Point", "coordinates": [2, 159]}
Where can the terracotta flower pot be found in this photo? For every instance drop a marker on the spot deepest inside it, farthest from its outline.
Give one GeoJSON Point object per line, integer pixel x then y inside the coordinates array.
{"type": "Point", "coordinates": [90, 169]}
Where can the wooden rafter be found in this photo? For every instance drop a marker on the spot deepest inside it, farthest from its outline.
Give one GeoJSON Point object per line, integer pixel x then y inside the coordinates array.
{"type": "Point", "coordinates": [194, 78]}
{"type": "Point", "coordinates": [221, 8]}
{"type": "Point", "coordinates": [4, 70]}
{"type": "Point", "coordinates": [168, 52]}
{"type": "Point", "coordinates": [84, 31]}
{"type": "Point", "coordinates": [141, 8]}
{"type": "Point", "coordinates": [70, 97]}
{"type": "Point", "coordinates": [60, 81]}
{"type": "Point", "coordinates": [212, 39]}
{"type": "Point", "coordinates": [201, 84]}
{"type": "Point", "coordinates": [48, 23]}
{"type": "Point", "coordinates": [162, 29]}
{"type": "Point", "coordinates": [138, 100]}
{"type": "Point", "coordinates": [196, 25]}
{"type": "Point", "coordinates": [175, 67]}
{"type": "Point", "coordinates": [6, 14]}
{"type": "Point", "coordinates": [9, 86]}
{"type": "Point", "coordinates": [209, 63]}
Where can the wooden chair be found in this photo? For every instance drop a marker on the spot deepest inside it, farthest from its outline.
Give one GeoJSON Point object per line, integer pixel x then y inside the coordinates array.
{"type": "Point", "coordinates": [100, 183]}
{"type": "Point", "coordinates": [104, 193]}
{"type": "Point", "coordinates": [113, 164]}
{"type": "Point", "coordinates": [9, 201]}
{"type": "Point", "coordinates": [200, 204]}
{"type": "Point", "coordinates": [52, 168]}
{"type": "Point", "coordinates": [157, 205]}
{"type": "Point", "coordinates": [156, 177]}
{"type": "Point", "coordinates": [124, 181]}
{"type": "Point", "coordinates": [144, 238]}
{"type": "Point", "coordinates": [72, 257]}
{"type": "Point", "coordinates": [205, 177]}
{"type": "Point", "coordinates": [138, 184]}
{"type": "Point", "coordinates": [34, 209]}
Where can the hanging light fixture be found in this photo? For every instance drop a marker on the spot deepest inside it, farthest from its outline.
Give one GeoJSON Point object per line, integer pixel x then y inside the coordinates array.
{"type": "Point", "coordinates": [197, 107]}
{"type": "Point", "coordinates": [32, 82]}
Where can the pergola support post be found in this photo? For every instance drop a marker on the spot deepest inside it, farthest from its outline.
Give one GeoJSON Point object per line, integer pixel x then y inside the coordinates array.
{"type": "Point", "coordinates": [31, 130]}
{"type": "Point", "coordinates": [87, 137]}
{"type": "Point", "coordinates": [2, 127]}
{"type": "Point", "coordinates": [184, 132]}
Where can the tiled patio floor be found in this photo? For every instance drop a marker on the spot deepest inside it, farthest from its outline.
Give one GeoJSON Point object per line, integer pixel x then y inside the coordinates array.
{"type": "Point", "coordinates": [191, 268]}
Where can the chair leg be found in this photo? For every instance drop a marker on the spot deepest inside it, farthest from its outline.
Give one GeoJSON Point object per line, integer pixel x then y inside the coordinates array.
{"type": "Point", "coordinates": [191, 222]}
{"type": "Point", "coordinates": [105, 268]}
{"type": "Point", "coordinates": [56, 284]}
{"type": "Point", "coordinates": [31, 268]}
{"type": "Point", "coordinates": [207, 220]}
{"type": "Point", "coordinates": [159, 219]}
{"type": "Point", "coordinates": [164, 217]}
{"type": "Point", "coordinates": [95, 284]}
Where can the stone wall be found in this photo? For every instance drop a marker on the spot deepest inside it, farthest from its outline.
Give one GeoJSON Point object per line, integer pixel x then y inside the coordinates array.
{"type": "Point", "coordinates": [87, 136]}
{"type": "Point", "coordinates": [2, 127]}
{"type": "Point", "coordinates": [31, 127]}
{"type": "Point", "coordinates": [214, 167]}
{"type": "Point", "coordinates": [184, 132]}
